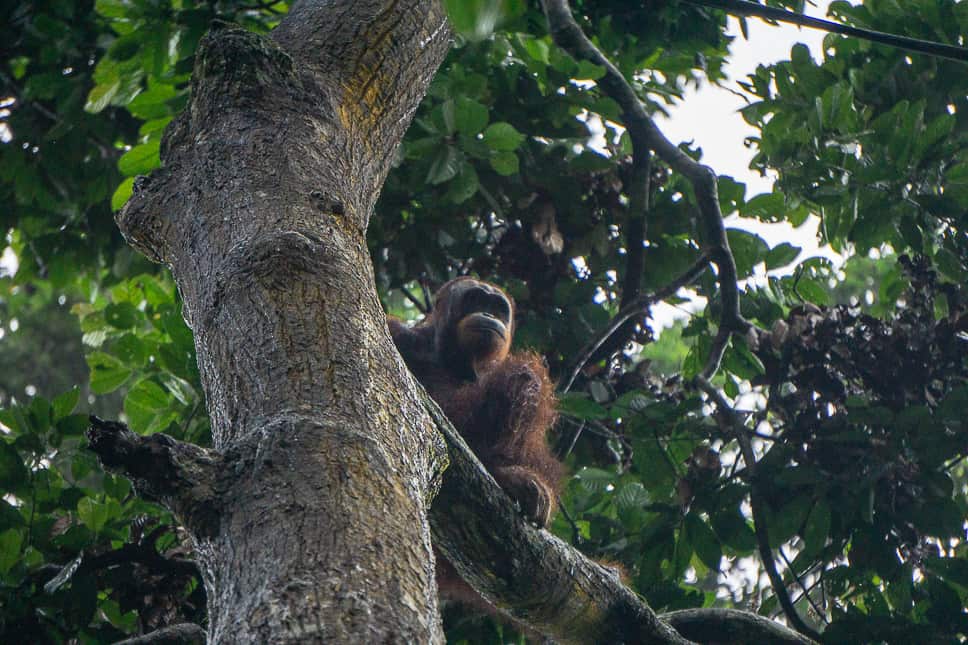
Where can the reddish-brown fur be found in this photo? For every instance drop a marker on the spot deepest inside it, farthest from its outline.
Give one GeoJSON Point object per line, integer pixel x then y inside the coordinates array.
{"type": "Point", "coordinates": [502, 403]}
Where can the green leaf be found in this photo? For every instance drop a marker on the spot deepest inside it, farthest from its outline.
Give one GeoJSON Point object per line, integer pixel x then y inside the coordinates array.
{"type": "Point", "coordinates": [505, 163]}
{"type": "Point", "coordinates": [10, 542]}
{"type": "Point", "coordinates": [101, 95]}
{"type": "Point", "coordinates": [107, 372]}
{"type": "Point", "coordinates": [444, 166]}
{"type": "Point", "coordinates": [537, 49]}
{"type": "Point", "coordinates": [742, 362]}
{"type": "Point", "coordinates": [703, 541]}
{"type": "Point", "coordinates": [818, 527]}
{"type": "Point", "coordinates": [768, 207]}
{"type": "Point", "coordinates": [811, 291]}
{"type": "Point", "coordinates": [589, 71]}
{"type": "Point", "coordinates": [39, 413]}
{"type": "Point", "coordinates": [503, 137]}
{"type": "Point", "coordinates": [112, 8]}
{"type": "Point", "coordinates": [94, 515]}
{"type": "Point", "coordinates": [579, 405]}
{"type": "Point", "coordinates": [13, 472]}
{"type": "Point", "coordinates": [122, 315]}
{"type": "Point", "coordinates": [13, 417]}
{"type": "Point", "coordinates": [595, 479]}
{"type": "Point", "coordinates": [73, 424]}
{"type": "Point", "coordinates": [781, 255]}
{"type": "Point", "coordinates": [470, 117]}
{"type": "Point", "coordinates": [474, 19]}
{"type": "Point", "coordinates": [631, 496]}
{"type": "Point", "coordinates": [464, 185]}
{"type": "Point", "coordinates": [140, 160]}
{"type": "Point", "coordinates": [65, 403]}
{"type": "Point", "coordinates": [143, 403]}
{"type": "Point", "coordinates": [122, 193]}
{"type": "Point", "coordinates": [734, 531]}
{"type": "Point", "coordinates": [748, 249]}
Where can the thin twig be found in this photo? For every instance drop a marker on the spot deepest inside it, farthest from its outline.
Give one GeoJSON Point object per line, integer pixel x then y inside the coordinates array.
{"type": "Point", "coordinates": [574, 440]}
{"type": "Point", "coordinates": [803, 588]}
{"type": "Point", "coordinates": [420, 305]}
{"type": "Point", "coordinates": [744, 8]}
{"type": "Point", "coordinates": [730, 419]}
{"type": "Point", "coordinates": [638, 306]}
{"type": "Point", "coordinates": [716, 353]}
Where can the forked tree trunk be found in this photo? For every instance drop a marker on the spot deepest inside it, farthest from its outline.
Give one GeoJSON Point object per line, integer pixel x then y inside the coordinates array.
{"type": "Point", "coordinates": [310, 515]}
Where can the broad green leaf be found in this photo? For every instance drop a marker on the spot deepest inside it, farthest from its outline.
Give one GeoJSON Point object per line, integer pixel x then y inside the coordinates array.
{"type": "Point", "coordinates": [505, 163]}
{"type": "Point", "coordinates": [768, 207]}
{"type": "Point", "coordinates": [140, 160]}
{"type": "Point", "coordinates": [580, 406]}
{"type": "Point", "coordinates": [703, 541]}
{"type": "Point", "coordinates": [632, 495]}
{"type": "Point", "coordinates": [748, 249]}
{"type": "Point", "coordinates": [818, 527]}
{"type": "Point", "coordinates": [101, 95]}
{"type": "Point", "coordinates": [444, 166]}
{"type": "Point", "coordinates": [13, 472]}
{"type": "Point", "coordinates": [10, 542]}
{"type": "Point", "coordinates": [39, 414]}
{"type": "Point", "coordinates": [107, 372]}
{"type": "Point", "coordinates": [503, 136]}
{"type": "Point", "coordinates": [122, 315]}
{"type": "Point", "coordinates": [470, 117]}
{"type": "Point", "coordinates": [93, 514]}
{"type": "Point", "coordinates": [781, 255]}
{"type": "Point", "coordinates": [122, 193]}
{"type": "Point", "coordinates": [464, 185]}
{"type": "Point", "coordinates": [144, 401]}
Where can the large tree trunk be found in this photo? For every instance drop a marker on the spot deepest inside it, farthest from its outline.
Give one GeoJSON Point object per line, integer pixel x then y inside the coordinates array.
{"type": "Point", "coordinates": [310, 516]}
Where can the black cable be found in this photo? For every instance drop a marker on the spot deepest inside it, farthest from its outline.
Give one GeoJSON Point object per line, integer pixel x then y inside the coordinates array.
{"type": "Point", "coordinates": [745, 8]}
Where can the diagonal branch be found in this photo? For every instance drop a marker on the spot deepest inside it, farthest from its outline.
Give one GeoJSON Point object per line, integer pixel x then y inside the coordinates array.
{"type": "Point", "coordinates": [745, 8]}
{"type": "Point", "coordinates": [536, 579]}
{"type": "Point", "coordinates": [729, 419]}
{"type": "Point", "coordinates": [181, 634]}
{"type": "Point", "coordinates": [568, 35]}
{"type": "Point", "coordinates": [526, 572]}
{"type": "Point", "coordinates": [640, 305]}
{"type": "Point", "coordinates": [715, 625]}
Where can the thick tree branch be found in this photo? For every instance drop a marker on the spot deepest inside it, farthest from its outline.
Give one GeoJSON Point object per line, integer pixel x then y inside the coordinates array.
{"type": "Point", "coordinates": [182, 476]}
{"type": "Point", "coordinates": [732, 626]}
{"type": "Point", "coordinates": [181, 634]}
{"type": "Point", "coordinates": [735, 426]}
{"type": "Point", "coordinates": [527, 573]}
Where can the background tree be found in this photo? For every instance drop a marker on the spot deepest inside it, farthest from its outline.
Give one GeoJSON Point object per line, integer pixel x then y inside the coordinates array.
{"type": "Point", "coordinates": [825, 449]}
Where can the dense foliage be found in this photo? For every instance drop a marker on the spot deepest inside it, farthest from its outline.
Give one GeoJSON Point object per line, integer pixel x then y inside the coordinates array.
{"type": "Point", "coordinates": [517, 169]}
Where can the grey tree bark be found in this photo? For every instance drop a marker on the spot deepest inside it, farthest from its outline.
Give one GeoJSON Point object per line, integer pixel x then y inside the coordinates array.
{"type": "Point", "coordinates": [309, 515]}
{"type": "Point", "coordinates": [311, 523]}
